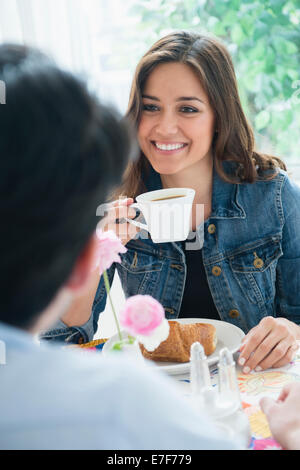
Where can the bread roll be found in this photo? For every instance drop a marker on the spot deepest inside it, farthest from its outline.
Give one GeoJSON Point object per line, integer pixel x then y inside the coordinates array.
{"type": "Point", "coordinates": [176, 348]}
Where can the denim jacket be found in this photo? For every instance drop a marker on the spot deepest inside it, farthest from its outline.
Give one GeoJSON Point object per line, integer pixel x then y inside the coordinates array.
{"type": "Point", "coordinates": [251, 255]}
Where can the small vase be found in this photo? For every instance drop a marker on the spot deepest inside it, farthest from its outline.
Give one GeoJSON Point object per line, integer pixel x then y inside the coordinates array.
{"type": "Point", "coordinates": [132, 350]}
{"type": "Point", "coordinates": [129, 347]}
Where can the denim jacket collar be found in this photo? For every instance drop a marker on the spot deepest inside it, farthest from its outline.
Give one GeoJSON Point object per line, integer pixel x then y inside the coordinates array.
{"type": "Point", "coordinates": [225, 198]}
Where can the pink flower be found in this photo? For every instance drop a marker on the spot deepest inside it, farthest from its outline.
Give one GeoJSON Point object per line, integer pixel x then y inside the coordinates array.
{"type": "Point", "coordinates": [266, 444]}
{"type": "Point", "coordinates": [107, 252]}
{"type": "Point", "coordinates": [141, 315]}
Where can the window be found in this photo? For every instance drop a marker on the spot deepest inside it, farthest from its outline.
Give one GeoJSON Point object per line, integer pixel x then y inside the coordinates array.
{"type": "Point", "coordinates": [103, 40]}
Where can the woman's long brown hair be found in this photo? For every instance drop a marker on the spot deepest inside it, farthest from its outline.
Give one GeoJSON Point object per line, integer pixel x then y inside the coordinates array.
{"type": "Point", "coordinates": [234, 139]}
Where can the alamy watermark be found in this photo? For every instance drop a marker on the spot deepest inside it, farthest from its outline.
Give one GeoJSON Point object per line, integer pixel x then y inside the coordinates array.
{"type": "Point", "coordinates": [165, 223]}
{"type": "Point", "coordinates": [2, 92]}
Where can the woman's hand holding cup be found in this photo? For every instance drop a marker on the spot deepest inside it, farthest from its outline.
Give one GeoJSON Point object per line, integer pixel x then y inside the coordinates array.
{"type": "Point", "coordinates": [116, 213]}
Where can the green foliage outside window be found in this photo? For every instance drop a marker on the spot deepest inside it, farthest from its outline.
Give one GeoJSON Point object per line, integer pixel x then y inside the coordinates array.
{"type": "Point", "coordinates": [263, 38]}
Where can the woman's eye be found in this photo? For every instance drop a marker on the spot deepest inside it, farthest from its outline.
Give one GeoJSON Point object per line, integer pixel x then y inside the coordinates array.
{"type": "Point", "coordinates": [150, 107]}
{"type": "Point", "coordinates": [188, 109]}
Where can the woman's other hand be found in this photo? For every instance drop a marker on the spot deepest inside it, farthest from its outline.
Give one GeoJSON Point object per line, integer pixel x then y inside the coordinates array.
{"type": "Point", "coordinates": [272, 343]}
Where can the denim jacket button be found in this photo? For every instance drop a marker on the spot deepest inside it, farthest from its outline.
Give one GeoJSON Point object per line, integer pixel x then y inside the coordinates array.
{"type": "Point", "coordinates": [169, 310]}
{"type": "Point", "coordinates": [216, 270]}
{"type": "Point", "coordinates": [258, 263]}
{"type": "Point", "coordinates": [234, 313]}
{"type": "Point", "coordinates": [211, 228]}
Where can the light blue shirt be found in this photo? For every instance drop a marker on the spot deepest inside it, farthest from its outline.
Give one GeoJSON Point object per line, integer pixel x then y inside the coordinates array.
{"type": "Point", "coordinates": [53, 398]}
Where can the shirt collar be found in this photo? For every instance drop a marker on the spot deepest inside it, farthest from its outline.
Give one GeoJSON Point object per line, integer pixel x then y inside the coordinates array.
{"type": "Point", "coordinates": [16, 338]}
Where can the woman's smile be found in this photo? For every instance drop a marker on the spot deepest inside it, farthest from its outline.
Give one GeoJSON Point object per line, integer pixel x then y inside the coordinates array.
{"type": "Point", "coordinates": [168, 148]}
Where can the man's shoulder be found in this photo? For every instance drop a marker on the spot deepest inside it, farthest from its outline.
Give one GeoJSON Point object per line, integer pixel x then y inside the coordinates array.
{"type": "Point", "coordinates": [60, 384]}
{"type": "Point", "coordinates": [68, 397]}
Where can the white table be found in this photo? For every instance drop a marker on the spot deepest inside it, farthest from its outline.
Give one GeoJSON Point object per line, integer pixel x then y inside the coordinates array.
{"type": "Point", "coordinates": [253, 387]}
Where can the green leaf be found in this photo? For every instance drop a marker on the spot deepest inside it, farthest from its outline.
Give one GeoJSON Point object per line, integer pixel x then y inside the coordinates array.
{"type": "Point", "coordinates": [258, 52]}
{"type": "Point", "coordinates": [276, 5]}
{"type": "Point", "coordinates": [285, 47]}
{"type": "Point", "coordinates": [230, 18]}
{"type": "Point", "coordinates": [237, 34]}
{"type": "Point", "coordinates": [219, 29]}
{"type": "Point", "coordinates": [131, 339]}
{"type": "Point", "coordinates": [261, 30]}
{"type": "Point", "coordinates": [287, 87]}
{"type": "Point", "coordinates": [248, 24]}
{"type": "Point", "coordinates": [262, 119]}
{"type": "Point", "coordinates": [268, 18]}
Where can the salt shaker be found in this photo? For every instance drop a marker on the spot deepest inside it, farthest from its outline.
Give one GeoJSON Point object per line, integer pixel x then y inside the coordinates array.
{"type": "Point", "coordinates": [199, 376]}
{"type": "Point", "coordinates": [199, 371]}
{"type": "Point", "coordinates": [222, 403]}
{"type": "Point", "coordinates": [229, 398]}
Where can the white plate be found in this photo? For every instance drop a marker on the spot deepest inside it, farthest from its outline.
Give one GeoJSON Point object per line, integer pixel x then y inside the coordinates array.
{"type": "Point", "coordinates": [228, 335]}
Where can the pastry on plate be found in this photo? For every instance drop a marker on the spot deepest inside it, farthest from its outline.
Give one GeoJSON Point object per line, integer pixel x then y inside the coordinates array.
{"type": "Point", "coordinates": [176, 348]}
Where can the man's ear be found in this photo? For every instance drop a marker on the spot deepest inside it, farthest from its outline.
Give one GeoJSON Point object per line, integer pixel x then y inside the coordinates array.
{"type": "Point", "coordinates": [82, 270]}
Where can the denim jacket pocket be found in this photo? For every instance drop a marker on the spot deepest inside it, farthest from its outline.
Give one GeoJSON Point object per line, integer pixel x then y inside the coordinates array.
{"type": "Point", "coordinates": [254, 268]}
{"type": "Point", "coordinates": [139, 272]}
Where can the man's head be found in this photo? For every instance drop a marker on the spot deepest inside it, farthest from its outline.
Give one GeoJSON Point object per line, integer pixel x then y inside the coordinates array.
{"type": "Point", "coordinates": [60, 154]}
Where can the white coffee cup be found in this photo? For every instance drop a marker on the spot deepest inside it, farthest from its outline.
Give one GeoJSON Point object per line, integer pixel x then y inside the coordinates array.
{"type": "Point", "coordinates": [167, 213]}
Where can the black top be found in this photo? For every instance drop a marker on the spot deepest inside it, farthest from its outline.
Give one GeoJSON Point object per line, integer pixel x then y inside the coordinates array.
{"type": "Point", "coordinates": [197, 301]}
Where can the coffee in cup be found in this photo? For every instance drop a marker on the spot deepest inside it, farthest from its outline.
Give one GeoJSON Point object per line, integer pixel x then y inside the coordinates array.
{"type": "Point", "coordinates": [168, 197]}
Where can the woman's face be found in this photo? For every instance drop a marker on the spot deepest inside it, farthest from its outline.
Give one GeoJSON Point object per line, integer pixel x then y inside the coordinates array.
{"type": "Point", "coordinates": [177, 123]}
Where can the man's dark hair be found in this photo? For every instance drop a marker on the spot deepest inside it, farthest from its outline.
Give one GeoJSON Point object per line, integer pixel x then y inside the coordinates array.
{"type": "Point", "coordinates": [61, 151]}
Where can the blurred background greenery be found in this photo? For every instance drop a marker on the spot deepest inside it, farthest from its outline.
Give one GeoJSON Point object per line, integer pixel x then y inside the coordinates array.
{"type": "Point", "coordinates": [263, 38]}
{"type": "Point", "coordinates": [102, 41]}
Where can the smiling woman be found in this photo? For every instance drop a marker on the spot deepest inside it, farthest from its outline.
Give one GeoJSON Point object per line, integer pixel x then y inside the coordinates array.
{"type": "Point", "coordinates": [189, 65]}
{"type": "Point", "coordinates": [176, 130]}
{"type": "Point", "coordinates": [193, 133]}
